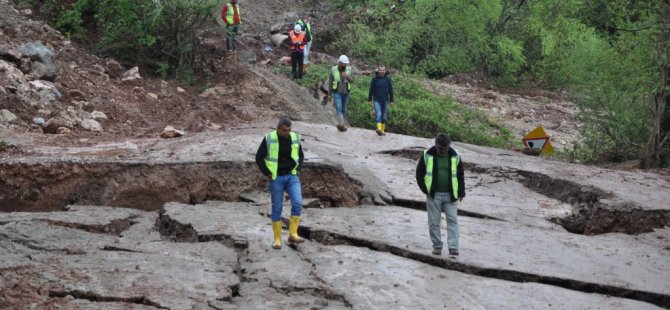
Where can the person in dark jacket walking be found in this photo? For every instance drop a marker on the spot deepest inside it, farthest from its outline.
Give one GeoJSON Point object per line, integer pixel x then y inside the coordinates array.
{"type": "Point", "coordinates": [280, 157]}
{"type": "Point", "coordinates": [440, 176]}
{"type": "Point", "coordinates": [381, 90]}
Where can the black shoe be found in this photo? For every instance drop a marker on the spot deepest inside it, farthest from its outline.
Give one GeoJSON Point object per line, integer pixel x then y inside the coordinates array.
{"type": "Point", "coordinates": [437, 251]}
{"type": "Point", "coordinates": [453, 252]}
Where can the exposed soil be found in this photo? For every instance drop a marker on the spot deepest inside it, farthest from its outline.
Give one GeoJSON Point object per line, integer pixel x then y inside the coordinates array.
{"type": "Point", "coordinates": [145, 186]}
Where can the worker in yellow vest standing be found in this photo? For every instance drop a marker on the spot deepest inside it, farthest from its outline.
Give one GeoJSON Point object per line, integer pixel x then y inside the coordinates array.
{"type": "Point", "coordinates": [230, 13]}
{"type": "Point", "coordinates": [439, 174]}
{"type": "Point", "coordinates": [306, 27]}
{"type": "Point", "coordinates": [297, 41]}
{"type": "Point", "coordinates": [339, 85]}
{"type": "Point", "coordinates": [280, 157]}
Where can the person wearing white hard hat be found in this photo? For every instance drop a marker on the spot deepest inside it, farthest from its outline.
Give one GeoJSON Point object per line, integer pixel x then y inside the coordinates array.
{"type": "Point", "coordinates": [339, 85]}
{"type": "Point", "coordinates": [297, 41]}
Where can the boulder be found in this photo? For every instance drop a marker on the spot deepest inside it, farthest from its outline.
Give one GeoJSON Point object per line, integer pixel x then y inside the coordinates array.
{"type": "Point", "coordinates": [171, 132]}
{"type": "Point", "coordinates": [91, 125]}
{"type": "Point", "coordinates": [9, 53]}
{"type": "Point", "coordinates": [131, 75]}
{"type": "Point", "coordinates": [113, 68]}
{"type": "Point", "coordinates": [97, 115]}
{"type": "Point", "coordinates": [278, 38]}
{"type": "Point", "coordinates": [7, 117]}
{"type": "Point", "coordinates": [12, 79]}
{"type": "Point", "coordinates": [52, 125]}
{"type": "Point", "coordinates": [43, 66]}
{"type": "Point", "coordinates": [46, 90]}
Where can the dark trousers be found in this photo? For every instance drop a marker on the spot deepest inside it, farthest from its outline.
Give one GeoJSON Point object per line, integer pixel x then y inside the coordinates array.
{"type": "Point", "coordinates": [231, 37]}
{"type": "Point", "coordinates": [296, 64]}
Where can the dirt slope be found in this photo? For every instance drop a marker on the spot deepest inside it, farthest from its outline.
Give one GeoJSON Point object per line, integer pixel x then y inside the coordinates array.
{"type": "Point", "coordinates": [238, 92]}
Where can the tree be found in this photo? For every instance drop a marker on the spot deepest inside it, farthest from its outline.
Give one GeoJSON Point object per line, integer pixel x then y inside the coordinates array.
{"type": "Point", "coordinates": [627, 99]}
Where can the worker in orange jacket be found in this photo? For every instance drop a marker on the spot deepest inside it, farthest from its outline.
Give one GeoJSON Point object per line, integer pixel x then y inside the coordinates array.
{"type": "Point", "coordinates": [297, 41]}
{"type": "Point", "coordinates": [230, 13]}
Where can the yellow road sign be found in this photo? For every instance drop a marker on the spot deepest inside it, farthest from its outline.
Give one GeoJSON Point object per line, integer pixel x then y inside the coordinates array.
{"type": "Point", "coordinates": [537, 139]}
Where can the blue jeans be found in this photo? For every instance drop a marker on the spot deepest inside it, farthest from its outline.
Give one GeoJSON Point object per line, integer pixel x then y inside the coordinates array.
{"type": "Point", "coordinates": [285, 183]}
{"type": "Point", "coordinates": [382, 111]}
{"type": "Point", "coordinates": [341, 106]}
{"type": "Point", "coordinates": [435, 207]}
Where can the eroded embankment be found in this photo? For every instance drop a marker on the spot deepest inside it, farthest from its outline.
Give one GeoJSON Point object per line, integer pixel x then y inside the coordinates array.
{"type": "Point", "coordinates": [51, 186]}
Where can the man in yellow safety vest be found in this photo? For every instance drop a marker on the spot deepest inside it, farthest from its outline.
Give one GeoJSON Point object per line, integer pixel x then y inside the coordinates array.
{"type": "Point", "coordinates": [439, 174]}
{"type": "Point", "coordinates": [307, 27]}
{"type": "Point", "coordinates": [230, 13]}
{"type": "Point", "coordinates": [339, 85]}
{"type": "Point", "coordinates": [280, 157]}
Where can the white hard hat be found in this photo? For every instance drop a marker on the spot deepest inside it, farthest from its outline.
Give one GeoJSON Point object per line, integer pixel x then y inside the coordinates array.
{"type": "Point", "coordinates": [297, 28]}
{"type": "Point", "coordinates": [344, 59]}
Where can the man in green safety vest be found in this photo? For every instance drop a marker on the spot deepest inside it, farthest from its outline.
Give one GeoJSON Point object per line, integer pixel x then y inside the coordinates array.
{"type": "Point", "coordinates": [439, 174]}
{"type": "Point", "coordinates": [339, 85]}
{"type": "Point", "coordinates": [307, 27]}
{"type": "Point", "coordinates": [230, 13]}
{"type": "Point", "coordinates": [280, 157]}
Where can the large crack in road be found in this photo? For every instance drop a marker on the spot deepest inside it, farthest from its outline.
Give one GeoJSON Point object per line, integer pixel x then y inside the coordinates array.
{"type": "Point", "coordinates": [329, 238]}
{"type": "Point", "coordinates": [52, 186]}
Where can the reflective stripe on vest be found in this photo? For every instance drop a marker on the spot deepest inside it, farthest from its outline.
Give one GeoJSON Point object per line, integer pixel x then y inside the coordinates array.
{"type": "Point", "coordinates": [297, 39]}
{"type": "Point", "coordinates": [230, 14]}
{"type": "Point", "coordinates": [428, 178]}
{"type": "Point", "coordinates": [336, 77]}
{"type": "Point", "coordinates": [272, 158]}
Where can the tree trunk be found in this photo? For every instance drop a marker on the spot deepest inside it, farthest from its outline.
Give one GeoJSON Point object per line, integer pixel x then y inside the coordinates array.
{"type": "Point", "coordinates": [661, 127]}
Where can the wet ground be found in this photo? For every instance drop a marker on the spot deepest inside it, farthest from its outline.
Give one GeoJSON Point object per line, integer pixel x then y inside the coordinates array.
{"type": "Point", "coordinates": [182, 223]}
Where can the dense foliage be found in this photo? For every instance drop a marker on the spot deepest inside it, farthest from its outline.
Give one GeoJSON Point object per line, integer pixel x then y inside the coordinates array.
{"type": "Point", "coordinates": [612, 55]}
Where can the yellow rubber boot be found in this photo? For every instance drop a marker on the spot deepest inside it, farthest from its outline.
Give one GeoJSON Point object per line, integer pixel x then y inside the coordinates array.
{"type": "Point", "coordinates": [276, 229]}
{"type": "Point", "coordinates": [293, 224]}
{"type": "Point", "coordinates": [380, 131]}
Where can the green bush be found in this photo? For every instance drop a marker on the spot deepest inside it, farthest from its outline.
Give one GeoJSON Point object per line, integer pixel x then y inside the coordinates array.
{"type": "Point", "coordinates": [506, 57]}
{"type": "Point", "coordinates": [451, 39]}
{"type": "Point", "coordinates": [157, 34]}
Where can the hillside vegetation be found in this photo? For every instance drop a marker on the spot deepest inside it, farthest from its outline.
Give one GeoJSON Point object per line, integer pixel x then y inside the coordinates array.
{"type": "Point", "coordinates": [612, 56]}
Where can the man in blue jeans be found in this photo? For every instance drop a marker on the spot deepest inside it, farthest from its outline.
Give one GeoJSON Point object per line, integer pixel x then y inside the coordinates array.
{"type": "Point", "coordinates": [280, 157]}
{"type": "Point", "coordinates": [339, 85]}
{"type": "Point", "coordinates": [381, 90]}
{"type": "Point", "coordinates": [439, 174]}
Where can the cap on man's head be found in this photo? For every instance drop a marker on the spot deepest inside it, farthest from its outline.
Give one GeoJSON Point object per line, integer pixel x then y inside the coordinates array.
{"type": "Point", "coordinates": [297, 28]}
{"type": "Point", "coordinates": [443, 140]}
{"type": "Point", "coordinates": [344, 59]}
